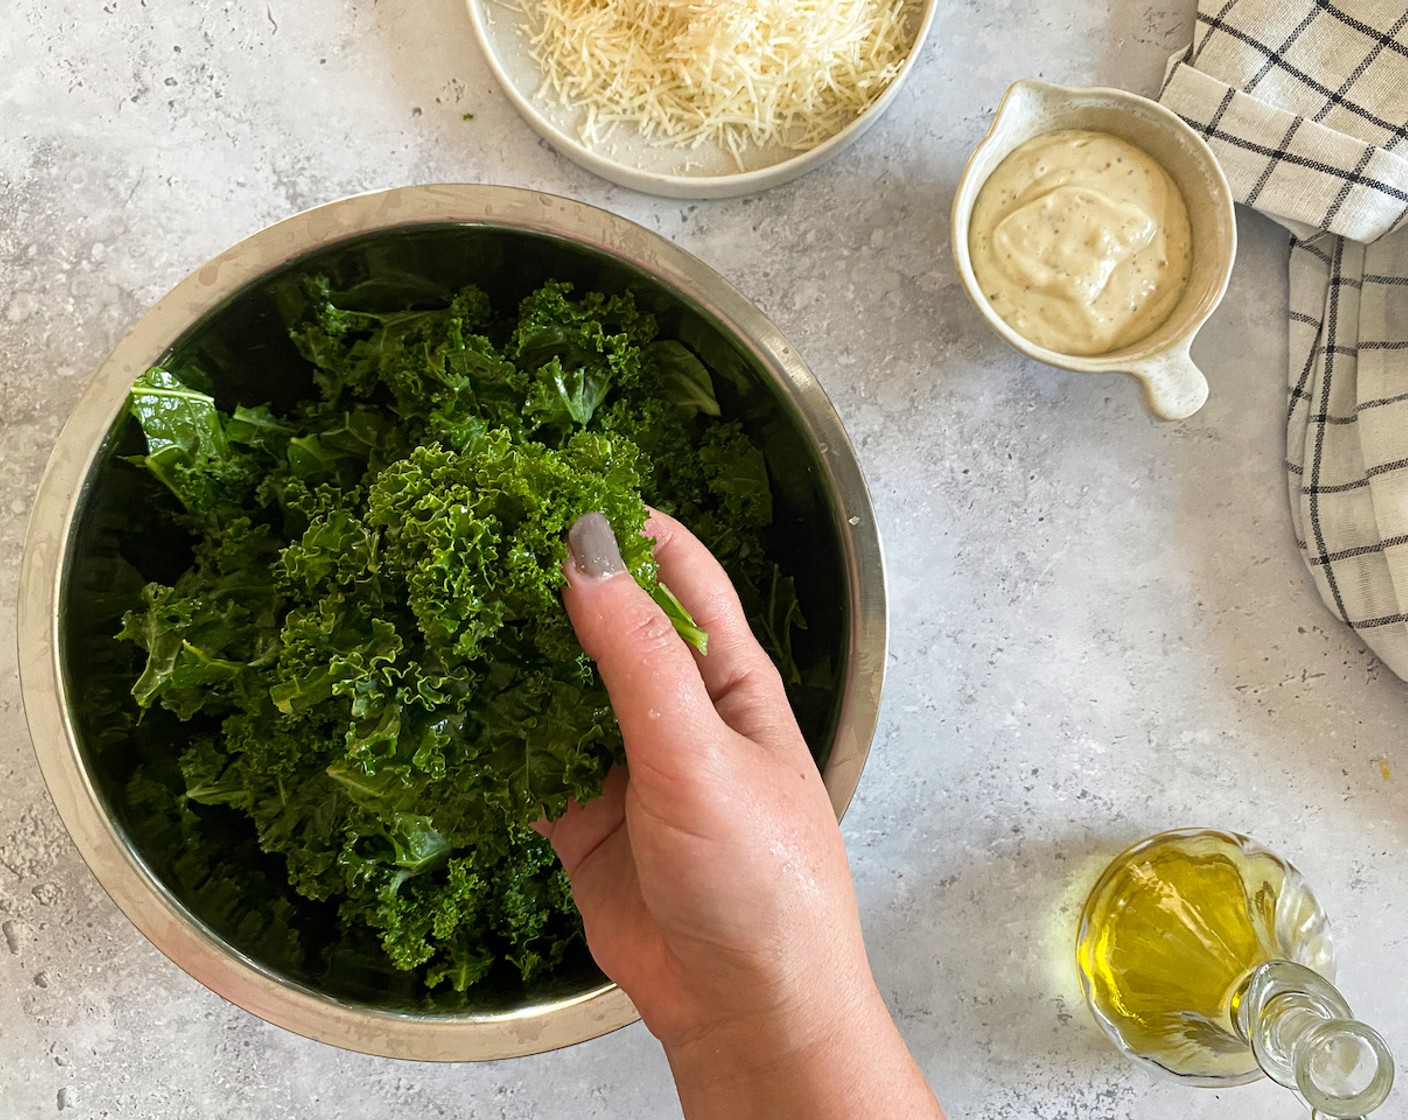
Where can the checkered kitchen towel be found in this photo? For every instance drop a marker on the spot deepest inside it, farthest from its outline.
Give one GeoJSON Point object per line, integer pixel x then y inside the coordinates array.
{"type": "Point", "coordinates": [1305, 104]}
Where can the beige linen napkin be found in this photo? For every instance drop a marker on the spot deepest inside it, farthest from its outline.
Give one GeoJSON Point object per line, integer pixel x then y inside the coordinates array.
{"type": "Point", "coordinates": [1305, 105]}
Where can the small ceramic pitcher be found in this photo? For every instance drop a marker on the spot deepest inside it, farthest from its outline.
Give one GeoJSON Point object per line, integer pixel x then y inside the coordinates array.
{"type": "Point", "coordinates": [1174, 387]}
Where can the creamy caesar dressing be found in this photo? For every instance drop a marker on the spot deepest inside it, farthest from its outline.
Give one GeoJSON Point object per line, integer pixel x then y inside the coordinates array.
{"type": "Point", "coordinates": [1080, 242]}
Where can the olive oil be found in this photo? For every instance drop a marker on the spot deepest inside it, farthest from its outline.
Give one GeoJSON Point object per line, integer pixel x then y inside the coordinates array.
{"type": "Point", "coordinates": [1206, 957]}
{"type": "Point", "coordinates": [1170, 936]}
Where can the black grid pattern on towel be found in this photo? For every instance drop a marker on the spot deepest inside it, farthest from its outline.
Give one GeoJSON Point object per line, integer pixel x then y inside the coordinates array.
{"type": "Point", "coordinates": [1305, 104]}
{"type": "Point", "coordinates": [1349, 490]}
{"type": "Point", "coordinates": [1302, 102]}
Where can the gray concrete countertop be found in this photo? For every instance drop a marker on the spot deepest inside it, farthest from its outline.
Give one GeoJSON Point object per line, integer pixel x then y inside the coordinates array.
{"type": "Point", "coordinates": [1101, 626]}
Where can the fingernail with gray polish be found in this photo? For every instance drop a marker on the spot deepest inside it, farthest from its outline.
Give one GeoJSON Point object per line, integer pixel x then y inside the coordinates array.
{"type": "Point", "coordinates": [593, 547]}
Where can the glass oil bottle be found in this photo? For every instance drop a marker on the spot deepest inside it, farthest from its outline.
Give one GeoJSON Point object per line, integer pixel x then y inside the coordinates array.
{"type": "Point", "coordinates": [1207, 957]}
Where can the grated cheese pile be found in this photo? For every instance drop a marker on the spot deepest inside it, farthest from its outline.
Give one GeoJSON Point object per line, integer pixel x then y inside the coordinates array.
{"type": "Point", "coordinates": [733, 72]}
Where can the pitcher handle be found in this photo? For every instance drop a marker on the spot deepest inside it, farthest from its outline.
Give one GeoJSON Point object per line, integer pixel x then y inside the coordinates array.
{"type": "Point", "coordinates": [1174, 388]}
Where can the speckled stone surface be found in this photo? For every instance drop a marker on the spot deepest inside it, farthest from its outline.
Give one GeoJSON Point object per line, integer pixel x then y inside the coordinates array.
{"type": "Point", "coordinates": [1101, 627]}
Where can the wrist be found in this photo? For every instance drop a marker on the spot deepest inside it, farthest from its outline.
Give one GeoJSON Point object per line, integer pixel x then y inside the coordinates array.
{"type": "Point", "coordinates": [839, 1056]}
{"type": "Point", "coordinates": [764, 1041]}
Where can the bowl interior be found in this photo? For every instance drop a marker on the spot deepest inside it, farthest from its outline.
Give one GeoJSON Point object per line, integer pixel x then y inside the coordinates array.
{"type": "Point", "coordinates": [1034, 108]}
{"type": "Point", "coordinates": [120, 539]}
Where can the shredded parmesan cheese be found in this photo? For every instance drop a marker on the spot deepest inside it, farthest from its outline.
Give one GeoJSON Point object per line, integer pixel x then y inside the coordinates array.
{"type": "Point", "coordinates": [735, 73]}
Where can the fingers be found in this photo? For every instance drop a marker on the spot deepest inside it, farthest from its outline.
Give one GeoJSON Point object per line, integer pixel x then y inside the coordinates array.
{"type": "Point", "coordinates": [648, 671]}
{"type": "Point", "coordinates": [584, 829]}
{"type": "Point", "coordinates": [740, 677]}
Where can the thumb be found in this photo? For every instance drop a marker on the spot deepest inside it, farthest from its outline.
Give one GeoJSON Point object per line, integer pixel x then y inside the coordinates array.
{"type": "Point", "coordinates": [648, 671]}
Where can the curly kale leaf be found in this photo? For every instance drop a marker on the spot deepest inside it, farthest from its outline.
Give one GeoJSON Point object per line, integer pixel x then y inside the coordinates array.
{"type": "Point", "coordinates": [187, 446]}
{"type": "Point", "coordinates": [221, 878]}
{"type": "Point", "coordinates": [371, 639]}
{"type": "Point", "coordinates": [206, 634]}
{"type": "Point", "coordinates": [682, 378]}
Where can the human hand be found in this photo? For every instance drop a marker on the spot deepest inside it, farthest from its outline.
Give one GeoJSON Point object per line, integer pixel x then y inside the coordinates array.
{"type": "Point", "coordinates": [710, 874]}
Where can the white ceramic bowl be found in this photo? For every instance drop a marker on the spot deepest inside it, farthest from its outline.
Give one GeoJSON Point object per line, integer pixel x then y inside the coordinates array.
{"type": "Point", "coordinates": [708, 171]}
{"type": "Point", "coordinates": [1174, 388]}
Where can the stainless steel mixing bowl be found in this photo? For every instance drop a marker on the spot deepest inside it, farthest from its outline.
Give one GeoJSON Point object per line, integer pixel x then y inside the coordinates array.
{"type": "Point", "coordinates": [225, 314]}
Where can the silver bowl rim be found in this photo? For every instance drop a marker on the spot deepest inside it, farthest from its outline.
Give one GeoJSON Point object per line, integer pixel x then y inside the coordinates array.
{"type": "Point", "coordinates": [125, 877]}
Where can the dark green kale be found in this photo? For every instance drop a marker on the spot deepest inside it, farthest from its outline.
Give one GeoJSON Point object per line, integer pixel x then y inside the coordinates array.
{"type": "Point", "coordinates": [370, 640]}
